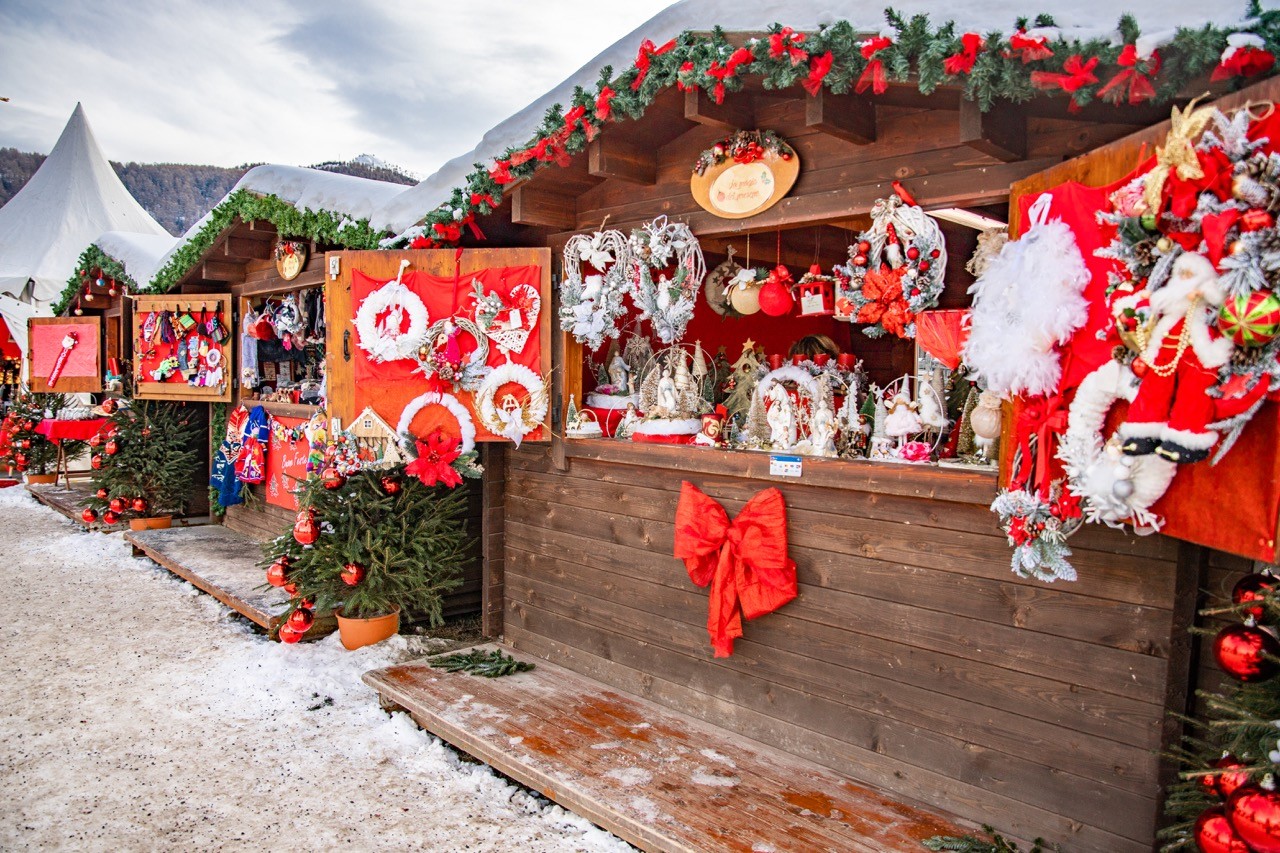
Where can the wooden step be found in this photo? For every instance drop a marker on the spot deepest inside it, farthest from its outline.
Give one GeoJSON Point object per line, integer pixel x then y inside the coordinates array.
{"type": "Point", "coordinates": [222, 563]}
{"type": "Point", "coordinates": [69, 501]}
{"type": "Point", "coordinates": [658, 779]}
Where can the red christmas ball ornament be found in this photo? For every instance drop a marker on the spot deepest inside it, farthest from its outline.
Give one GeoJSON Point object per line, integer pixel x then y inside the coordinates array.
{"type": "Point", "coordinates": [291, 588]}
{"type": "Point", "coordinates": [25, 444]}
{"type": "Point", "coordinates": [1253, 588]}
{"type": "Point", "coordinates": [859, 260]}
{"type": "Point", "coordinates": [301, 619]}
{"type": "Point", "coordinates": [391, 485]}
{"type": "Point", "coordinates": [117, 505]}
{"type": "Point", "coordinates": [1226, 783]}
{"type": "Point", "coordinates": [277, 574]}
{"type": "Point", "coordinates": [20, 461]}
{"type": "Point", "coordinates": [1213, 833]}
{"type": "Point", "coordinates": [146, 432]}
{"type": "Point", "coordinates": [775, 299]}
{"type": "Point", "coordinates": [305, 530]}
{"type": "Point", "coordinates": [864, 246]}
{"type": "Point", "coordinates": [288, 635]}
{"type": "Point", "coordinates": [89, 515]}
{"type": "Point", "coordinates": [110, 517]}
{"type": "Point", "coordinates": [935, 254]}
{"type": "Point", "coordinates": [102, 494]}
{"type": "Point", "coordinates": [912, 253]}
{"type": "Point", "coordinates": [1256, 219]}
{"type": "Point", "coordinates": [1244, 652]}
{"type": "Point", "coordinates": [139, 505]}
{"type": "Point", "coordinates": [307, 603]}
{"type": "Point", "coordinates": [110, 405]}
{"type": "Point", "coordinates": [352, 574]}
{"type": "Point", "coordinates": [1255, 815]}
{"type": "Point", "coordinates": [111, 448]}
{"type": "Point", "coordinates": [96, 440]}
{"type": "Point", "coordinates": [333, 479]}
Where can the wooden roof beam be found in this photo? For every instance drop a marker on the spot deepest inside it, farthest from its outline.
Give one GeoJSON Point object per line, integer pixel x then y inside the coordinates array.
{"type": "Point", "coordinates": [734, 114]}
{"type": "Point", "coordinates": [612, 157]}
{"type": "Point", "coordinates": [245, 249]}
{"type": "Point", "coordinates": [1001, 132]}
{"type": "Point", "coordinates": [221, 271]}
{"type": "Point", "coordinates": [532, 205]}
{"type": "Point", "coordinates": [848, 117]}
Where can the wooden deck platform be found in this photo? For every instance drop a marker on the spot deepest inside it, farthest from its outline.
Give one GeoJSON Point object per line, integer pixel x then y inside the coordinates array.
{"type": "Point", "coordinates": [222, 563]}
{"type": "Point", "coordinates": [70, 502]}
{"type": "Point", "coordinates": [656, 778]}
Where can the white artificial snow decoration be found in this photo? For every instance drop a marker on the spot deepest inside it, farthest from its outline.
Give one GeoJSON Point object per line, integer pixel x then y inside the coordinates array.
{"type": "Point", "coordinates": [1235, 41]}
{"type": "Point", "coordinates": [1030, 299]}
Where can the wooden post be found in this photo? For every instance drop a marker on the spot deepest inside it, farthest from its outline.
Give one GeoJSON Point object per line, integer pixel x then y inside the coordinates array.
{"type": "Point", "coordinates": [493, 539]}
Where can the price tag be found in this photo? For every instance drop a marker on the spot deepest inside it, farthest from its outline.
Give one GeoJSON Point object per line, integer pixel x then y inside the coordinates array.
{"type": "Point", "coordinates": [784, 466]}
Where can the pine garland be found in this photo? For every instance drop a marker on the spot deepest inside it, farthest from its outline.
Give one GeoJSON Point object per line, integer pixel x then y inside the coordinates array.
{"type": "Point", "coordinates": [836, 58]}
{"type": "Point", "coordinates": [492, 664]}
{"type": "Point", "coordinates": [92, 257]}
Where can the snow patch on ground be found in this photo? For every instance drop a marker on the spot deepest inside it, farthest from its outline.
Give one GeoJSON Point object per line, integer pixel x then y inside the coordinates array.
{"type": "Point", "coordinates": [139, 714]}
{"type": "Point", "coordinates": [712, 755]}
{"type": "Point", "coordinates": [630, 776]}
{"type": "Point", "coordinates": [715, 780]}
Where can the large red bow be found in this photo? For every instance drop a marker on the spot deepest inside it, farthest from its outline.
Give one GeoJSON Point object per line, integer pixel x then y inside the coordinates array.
{"type": "Point", "coordinates": [819, 68]}
{"type": "Point", "coordinates": [1076, 74]}
{"type": "Point", "coordinates": [786, 42]}
{"type": "Point", "coordinates": [873, 75]}
{"type": "Point", "coordinates": [1135, 79]}
{"type": "Point", "coordinates": [645, 57]}
{"type": "Point", "coordinates": [1046, 419]}
{"type": "Point", "coordinates": [962, 62]}
{"type": "Point", "coordinates": [745, 560]}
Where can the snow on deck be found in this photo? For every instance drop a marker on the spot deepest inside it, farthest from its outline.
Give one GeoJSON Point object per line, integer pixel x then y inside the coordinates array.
{"type": "Point", "coordinates": [138, 715]}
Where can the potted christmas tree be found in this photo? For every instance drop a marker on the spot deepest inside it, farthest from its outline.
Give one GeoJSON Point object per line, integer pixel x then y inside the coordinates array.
{"type": "Point", "coordinates": [374, 543]}
{"type": "Point", "coordinates": [143, 470]}
{"type": "Point", "coordinates": [26, 450]}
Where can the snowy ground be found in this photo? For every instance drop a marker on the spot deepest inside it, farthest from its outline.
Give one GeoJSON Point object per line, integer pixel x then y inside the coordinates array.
{"type": "Point", "coordinates": [137, 714]}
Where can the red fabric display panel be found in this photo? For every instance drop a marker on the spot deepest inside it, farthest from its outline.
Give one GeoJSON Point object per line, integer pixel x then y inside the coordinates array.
{"type": "Point", "coordinates": [286, 463]}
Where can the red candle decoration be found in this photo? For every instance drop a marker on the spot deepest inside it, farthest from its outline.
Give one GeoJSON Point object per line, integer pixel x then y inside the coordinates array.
{"type": "Point", "coordinates": [1246, 653]}
{"type": "Point", "coordinates": [775, 361]}
{"type": "Point", "coordinates": [846, 360]}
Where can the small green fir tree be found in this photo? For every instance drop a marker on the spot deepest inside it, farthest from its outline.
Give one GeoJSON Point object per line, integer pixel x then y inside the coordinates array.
{"type": "Point", "coordinates": [157, 446]}
{"type": "Point", "coordinates": [410, 547]}
{"type": "Point", "coordinates": [967, 445]}
{"type": "Point", "coordinates": [29, 451]}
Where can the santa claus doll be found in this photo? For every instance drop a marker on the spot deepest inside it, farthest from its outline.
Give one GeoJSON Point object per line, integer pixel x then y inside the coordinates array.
{"type": "Point", "coordinates": [1177, 365]}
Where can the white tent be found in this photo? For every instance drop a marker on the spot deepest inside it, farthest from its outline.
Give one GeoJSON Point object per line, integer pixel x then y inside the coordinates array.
{"type": "Point", "coordinates": [73, 197]}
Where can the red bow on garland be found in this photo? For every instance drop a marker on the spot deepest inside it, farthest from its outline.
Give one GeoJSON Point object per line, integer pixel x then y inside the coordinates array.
{"type": "Point", "coordinates": [1246, 61]}
{"type": "Point", "coordinates": [645, 58]}
{"type": "Point", "coordinates": [741, 56]}
{"type": "Point", "coordinates": [1135, 79]}
{"type": "Point", "coordinates": [971, 44]}
{"type": "Point", "coordinates": [435, 460]}
{"type": "Point", "coordinates": [745, 561]}
{"type": "Point", "coordinates": [819, 68]}
{"type": "Point", "coordinates": [1076, 74]}
{"type": "Point", "coordinates": [1044, 417]}
{"type": "Point", "coordinates": [1029, 48]}
{"type": "Point", "coordinates": [786, 42]}
{"type": "Point", "coordinates": [886, 304]}
{"type": "Point", "coordinates": [873, 75]}
{"type": "Point", "coordinates": [604, 105]}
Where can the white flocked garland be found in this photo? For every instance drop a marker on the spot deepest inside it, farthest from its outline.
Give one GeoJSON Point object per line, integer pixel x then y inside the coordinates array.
{"type": "Point", "coordinates": [1114, 488]}
{"type": "Point", "coordinates": [466, 426]}
{"type": "Point", "coordinates": [387, 343]}
{"type": "Point", "coordinates": [789, 373]}
{"type": "Point", "coordinates": [521, 421]}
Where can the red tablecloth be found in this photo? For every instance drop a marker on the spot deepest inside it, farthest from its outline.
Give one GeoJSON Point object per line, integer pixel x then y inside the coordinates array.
{"type": "Point", "coordinates": [58, 431]}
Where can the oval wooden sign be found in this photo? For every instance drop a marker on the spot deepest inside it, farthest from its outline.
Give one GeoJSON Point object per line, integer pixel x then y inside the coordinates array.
{"type": "Point", "coordinates": [735, 190]}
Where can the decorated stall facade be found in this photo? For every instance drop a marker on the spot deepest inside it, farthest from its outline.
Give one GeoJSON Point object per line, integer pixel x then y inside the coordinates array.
{"type": "Point", "coordinates": [903, 652]}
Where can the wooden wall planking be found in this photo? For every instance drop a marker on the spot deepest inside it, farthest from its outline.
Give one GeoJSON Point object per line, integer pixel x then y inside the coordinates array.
{"type": "Point", "coordinates": [912, 659]}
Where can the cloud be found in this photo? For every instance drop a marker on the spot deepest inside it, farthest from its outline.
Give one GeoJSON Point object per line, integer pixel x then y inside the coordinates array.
{"type": "Point", "coordinates": [290, 81]}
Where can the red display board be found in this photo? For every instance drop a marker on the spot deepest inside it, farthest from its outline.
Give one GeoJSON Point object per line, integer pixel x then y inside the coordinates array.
{"type": "Point", "coordinates": [286, 462]}
{"type": "Point", "coordinates": [82, 371]}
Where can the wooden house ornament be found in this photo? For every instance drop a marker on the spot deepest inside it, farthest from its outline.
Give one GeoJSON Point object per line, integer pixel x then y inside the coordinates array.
{"type": "Point", "coordinates": [375, 436]}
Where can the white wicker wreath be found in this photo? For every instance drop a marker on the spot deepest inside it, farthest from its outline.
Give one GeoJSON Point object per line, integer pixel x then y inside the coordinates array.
{"type": "Point", "coordinates": [790, 373]}
{"type": "Point", "coordinates": [668, 303]}
{"type": "Point", "coordinates": [516, 423]}
{"type": "Point", "coordinates": [1114, 488]}
{"type": "Point", "coordinates": [466, 426]}
{"type": "Point", "coordinates": [384, 342]}
{"type": "Point", "coordinates": [473, 369]}
{"type": "Point", "coordinates": [590, 307]}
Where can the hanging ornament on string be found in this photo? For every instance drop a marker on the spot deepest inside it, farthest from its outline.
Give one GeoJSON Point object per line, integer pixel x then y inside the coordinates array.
{"type": "Point", "coordinates": [1246, 652]}
{"type": "Point", "coordinates": [1251, 588]}
{"type": "Point", "coordinates": [775, 295]}
{"type": "Point", "coordinates": [744, 288]}
{"type": "Point", "coordinates": [1213, 833]}
{"type": "Point", "coordinates": [305, 530]}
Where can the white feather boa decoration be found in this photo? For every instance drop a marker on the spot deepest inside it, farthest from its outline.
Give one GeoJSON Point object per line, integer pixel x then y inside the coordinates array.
{"type": "Point", "coordinates": [1029, 300]}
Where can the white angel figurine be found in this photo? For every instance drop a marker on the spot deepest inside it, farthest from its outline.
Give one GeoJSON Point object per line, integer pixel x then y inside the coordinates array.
{"type": "Point", "coordinates": [781, 418]}
{"type": "Point", "coordinates": [902, 419]}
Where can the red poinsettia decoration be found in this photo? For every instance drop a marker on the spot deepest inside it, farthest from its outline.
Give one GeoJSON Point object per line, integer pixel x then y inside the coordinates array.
{"type": "Point", "coordinates": [436, 456]}
{"type": "Point", "coordinates": [887, 306]}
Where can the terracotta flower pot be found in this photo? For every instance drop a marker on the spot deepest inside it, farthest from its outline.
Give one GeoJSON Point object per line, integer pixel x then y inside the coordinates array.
{"type": "Point", "coordinates": [159, 522]}
{"type": "Point", "coordinates": [357, 633]}
{"type": "Point", "coordinates": [42, 478]}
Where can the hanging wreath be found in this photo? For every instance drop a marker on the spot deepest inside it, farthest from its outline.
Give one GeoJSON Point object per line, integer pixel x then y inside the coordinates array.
{"type": "Point", "coordinates": [745, 146]}
{"type": "Point", "coordinates": [895, 270]}
{"type": "Point", "coordinates": [383, 340]}
{"type": "Point", "coordinates": [1114, 487]}
{"type": "Point", "coordinates": [509, 417]}
{"type": "Point", "coordinates": [466, 426]}
{"type": "Point", "coordinates": [667, 302]}
{"type": "Point", "coordinates": [438, 359]}
{"type": "Point", "coordinates": [591, 305]}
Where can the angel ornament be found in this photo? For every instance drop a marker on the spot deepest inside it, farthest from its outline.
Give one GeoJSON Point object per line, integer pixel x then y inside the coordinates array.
{"type": "Point", "coordinates": [822, 428]}
{"type": "Point", "coordinates": [902, 418]}
{"type": "Point", "coordinates": [620, 375]}
{"type": "Point", "coordinates": [781, 417]}
{"type": "Point", "coordinates": [668, 404]}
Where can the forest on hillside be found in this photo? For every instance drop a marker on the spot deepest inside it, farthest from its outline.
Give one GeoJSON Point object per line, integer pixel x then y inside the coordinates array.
{"type": "Point", "coordinates": [178, 194]}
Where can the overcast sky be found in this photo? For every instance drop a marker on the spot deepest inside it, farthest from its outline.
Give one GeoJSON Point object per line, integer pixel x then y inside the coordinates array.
{"type": "Point", "coordinates": [290, 81]}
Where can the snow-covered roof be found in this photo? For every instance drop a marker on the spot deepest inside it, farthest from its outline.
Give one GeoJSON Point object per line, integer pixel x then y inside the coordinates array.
{"type": "Point", "coordinates": [1075, 19]}
{"type": "Point", "coordinates": [140, 254]}
{"type": "Point", "coordinates": [73, 197]}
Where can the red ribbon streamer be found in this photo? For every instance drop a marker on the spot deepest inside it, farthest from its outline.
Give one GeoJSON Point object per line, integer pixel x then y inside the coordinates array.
{"type": "Point", "coordinates": [971, 44]}
{"type": "Point", "coordinates": [745, 561]}
{"type": "Point", "coordinates": [873, 75]}
{"type": "Point", "coordinates": [1029, 48]}
{"type": "Point", "coordinates": [1042, 417]}
{"type": "Point", "coordinates": [1134, 78]}
{"type": "Point", "coordinates": [645, 58]}
{"type": "Point", "coordinates": [604, 104]}
{"type": "Point", "coordinates": [786, 42]}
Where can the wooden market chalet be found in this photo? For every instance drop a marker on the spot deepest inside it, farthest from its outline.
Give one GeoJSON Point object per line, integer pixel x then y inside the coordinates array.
{"type": "Point", "coordinates": [916, 686]}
